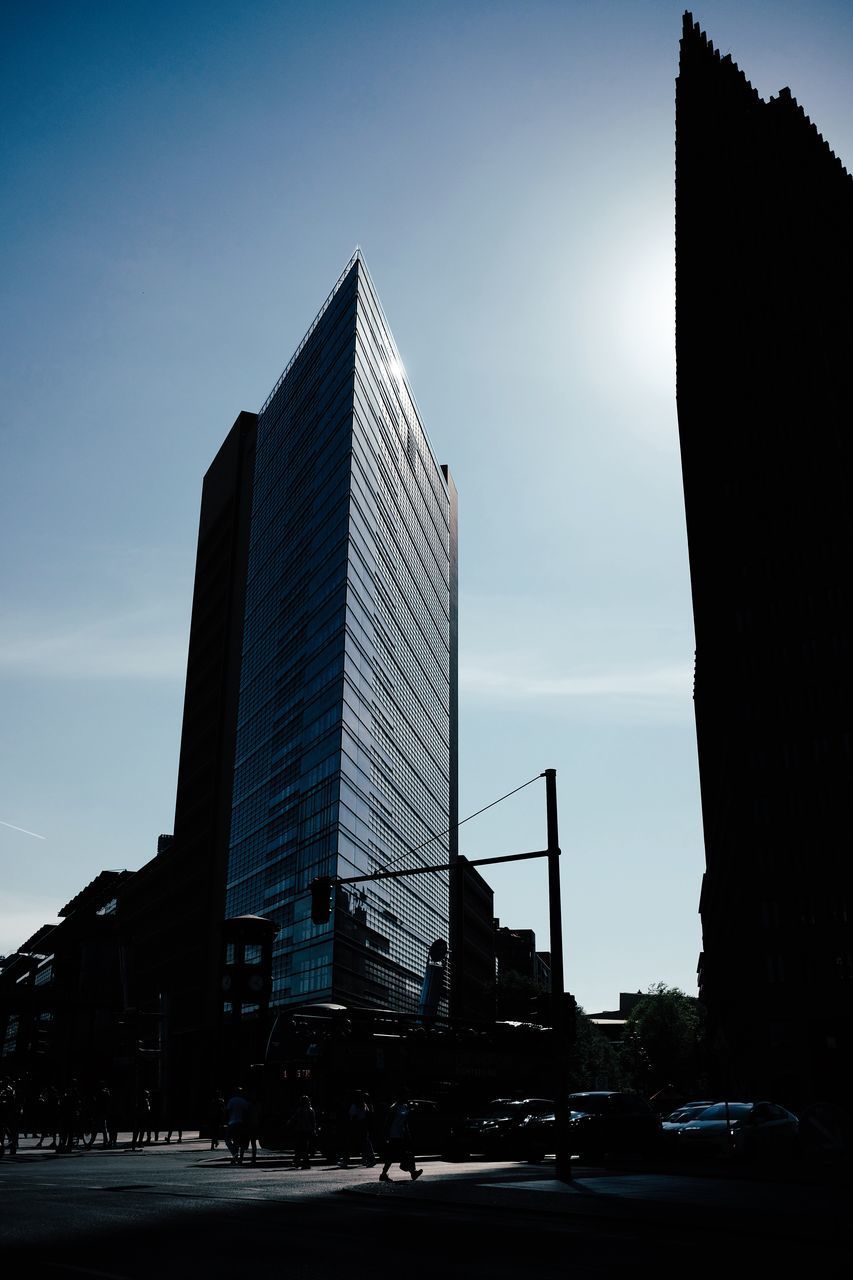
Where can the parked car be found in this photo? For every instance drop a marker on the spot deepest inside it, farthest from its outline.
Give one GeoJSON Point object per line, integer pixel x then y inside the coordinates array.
{"type": "Point", "coordinates": [672, 1124]}
{"type": "Point", "coordinates": [499, 1129]}
{"type": "Point", "coordinates": [604, 1122]}
{"type": "Point", "coordinates": [746, 1129]}
{"type": "Point", "coordinates": [430, 1127]}
{"type": "Point", "coordinates": [600, 1123]}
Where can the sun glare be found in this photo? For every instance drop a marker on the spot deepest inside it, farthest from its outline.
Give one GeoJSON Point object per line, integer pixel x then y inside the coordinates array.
{"type": "Point", "coordinates": [396, 370]}
{"type": "Point", "coordinates": [644, 315]}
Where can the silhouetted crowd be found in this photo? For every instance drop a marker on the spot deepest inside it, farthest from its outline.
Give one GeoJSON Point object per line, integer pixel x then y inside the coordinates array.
{"type": "Point", "coordinates": [352, 1130]}
{"type": "Point", "coordinates": [71, 1117]}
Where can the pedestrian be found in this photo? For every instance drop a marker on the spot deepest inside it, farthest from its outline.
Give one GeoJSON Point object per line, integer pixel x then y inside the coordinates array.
{"type": "Point", "coordinates": [330, 1126]}
{"type": "Point", "coordinates": [8, 1116]}
{"type": "Point", "coordinates": [237, 1117]}
{"type": "Point", "coordinates": [69, 1117]}
{"type": "Point", "coordinates": [48, 1115]}
{"type": "Point", "coordinates": [216, 1119]}
{"type": "Point", "coordinates": [357, 1132]}
{"type": "Point", "coordinates": [174, 1112]}
{"type": "Point", "coordinates": [141, 1120]}
{"type": "Point", "coordinates": [398, 1139]}
{"type": "Point", "coordinates": [154, 1118]}
{"type": "Point", "coordinates": [304, 1125]}
{"type": "Point", "coordinates": [253, 1124]}
{"type": "Point", "coordinates": [103, 1121]}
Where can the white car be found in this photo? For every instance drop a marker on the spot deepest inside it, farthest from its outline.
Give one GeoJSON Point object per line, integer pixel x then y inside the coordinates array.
{"type": "Point", "coordinates": [672, 1124]}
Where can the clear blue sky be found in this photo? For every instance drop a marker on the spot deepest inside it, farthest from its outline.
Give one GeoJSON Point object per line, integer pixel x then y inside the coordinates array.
{"type": "Point", "coordinates": [181, 185]}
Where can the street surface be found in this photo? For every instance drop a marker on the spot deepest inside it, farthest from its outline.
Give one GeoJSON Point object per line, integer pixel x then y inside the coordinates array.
{"type": "Point", "coordinates": [174, 1210]}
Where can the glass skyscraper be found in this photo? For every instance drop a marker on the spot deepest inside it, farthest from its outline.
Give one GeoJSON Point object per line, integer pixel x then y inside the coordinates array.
{"type": "Point", "coordinates": [346, 755]}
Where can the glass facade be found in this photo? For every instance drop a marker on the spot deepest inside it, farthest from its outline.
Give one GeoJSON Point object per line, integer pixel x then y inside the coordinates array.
{"type": "Point", "coordinates": [346, 751]}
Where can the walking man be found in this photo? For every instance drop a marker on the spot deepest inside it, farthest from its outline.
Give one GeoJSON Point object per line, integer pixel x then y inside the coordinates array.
{"type": "Point", "coordinates": [357, 1132]}
{"type": "Point", "coordinates": [304, 1125]}
{"type": "Point", "coordinates": [236, 1134]}
{"type": "Point", "coordinates": [398, 1140]}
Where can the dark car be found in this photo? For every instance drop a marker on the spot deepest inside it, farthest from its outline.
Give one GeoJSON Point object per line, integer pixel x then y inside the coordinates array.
{"type": "Point", "coordinates": [499, 1129]}
{"type": "Point", "coordinates": [608, 1122]}
{"type": "Point", "coordinates": [600, 1123]}
{"type": "Point", "coordinates": [429, 1126]}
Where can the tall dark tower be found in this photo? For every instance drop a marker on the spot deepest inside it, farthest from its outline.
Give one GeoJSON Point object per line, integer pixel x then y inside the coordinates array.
{"type": "Point", "coordinates": [171, 911]}
{"type": "Point", "coordinates": [764, 272]}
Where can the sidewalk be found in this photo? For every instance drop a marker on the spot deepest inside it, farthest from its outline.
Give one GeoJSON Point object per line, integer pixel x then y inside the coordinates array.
{"type": "Point", "coordinates": [695, 1199]}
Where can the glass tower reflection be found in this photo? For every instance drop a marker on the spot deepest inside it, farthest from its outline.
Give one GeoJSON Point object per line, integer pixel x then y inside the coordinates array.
{"type": "Point", "coordinates": [346, 738]}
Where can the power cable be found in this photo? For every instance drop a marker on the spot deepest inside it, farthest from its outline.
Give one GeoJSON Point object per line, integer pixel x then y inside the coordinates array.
{"type": "Point", "coordinates": [439, 834]}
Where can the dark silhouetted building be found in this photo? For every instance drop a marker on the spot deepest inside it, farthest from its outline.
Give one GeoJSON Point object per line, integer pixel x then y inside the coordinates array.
{"type": "Point", "coordinates": [319, 734]}
{"type": "Point", "coordinates": [523, 975]}
{"type": "Point", "coordinates": [170, 913]}
{"type": "Point", "coordinates": [62, 995]}
{"type": "Point", "coordinates": [515, 951]}
{"type": "Point", "coordinates": [472, 944]}
{"type": "Point", "coordinates": [764, 254]}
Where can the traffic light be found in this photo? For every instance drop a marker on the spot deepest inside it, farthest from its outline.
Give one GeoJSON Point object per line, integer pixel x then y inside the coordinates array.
{"type": "Point", "coordinates": [321, 899]}
{"type": "Point", "coordinates": [538, 1008]}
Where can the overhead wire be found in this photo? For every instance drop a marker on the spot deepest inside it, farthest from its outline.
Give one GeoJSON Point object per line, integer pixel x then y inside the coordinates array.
{"type": "Point", "coordinates": [440, 834]}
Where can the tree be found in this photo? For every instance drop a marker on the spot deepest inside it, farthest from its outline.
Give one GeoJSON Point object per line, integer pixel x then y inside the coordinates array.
{"type": "Point", "coordinates": [517, 997]}
{"type": "Point", "coordinates": [594, 1062]}
{"type": "Point", "coordinates": [663, 1043]}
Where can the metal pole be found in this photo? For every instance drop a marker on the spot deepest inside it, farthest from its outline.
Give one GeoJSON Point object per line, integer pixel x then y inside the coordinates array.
{"type": "Point", "coordinates": [558, 1004]}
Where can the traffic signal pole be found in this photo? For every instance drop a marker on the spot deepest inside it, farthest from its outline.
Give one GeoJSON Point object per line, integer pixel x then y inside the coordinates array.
{"type": "Point", "coordinates": [558, 1003]}
{"type": "Point", "coordinates": [321, 890]}
{"type": "Point", "coordinates": [320, 886]}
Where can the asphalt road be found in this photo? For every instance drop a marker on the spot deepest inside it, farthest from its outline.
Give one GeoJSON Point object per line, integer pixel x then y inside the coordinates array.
{"type": "Point", "coordinates": [185, 1210]}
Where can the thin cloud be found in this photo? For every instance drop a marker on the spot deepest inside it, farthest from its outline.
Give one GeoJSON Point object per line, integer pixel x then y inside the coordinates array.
{"type": "Point", "coordinates": [500, 680]}
{"type": "Point", "coordinates": [24, 830]}
{"type": "Point", "coordinates": [143, 644]}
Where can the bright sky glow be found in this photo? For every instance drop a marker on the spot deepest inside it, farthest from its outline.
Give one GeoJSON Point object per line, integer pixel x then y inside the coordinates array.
{"type": "Point", "coordinates": [182, 185]}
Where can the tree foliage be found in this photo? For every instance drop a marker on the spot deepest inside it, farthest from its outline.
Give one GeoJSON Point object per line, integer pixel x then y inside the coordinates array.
{"type": "Point", "coordinates": [662, 1047]}
{"type": "Point", "coordinates": [514, 995]}
{"type": "Point", "coordinates": [594, 1061]}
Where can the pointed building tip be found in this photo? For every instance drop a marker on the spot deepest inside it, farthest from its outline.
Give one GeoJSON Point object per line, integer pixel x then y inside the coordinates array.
{"type": "Point", "coordinates": [687, 22]}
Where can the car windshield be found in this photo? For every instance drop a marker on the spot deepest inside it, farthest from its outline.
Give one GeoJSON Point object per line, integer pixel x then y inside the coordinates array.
{"type": "Point", "coordinates": [687, 1113]}
{"type": "Point", "coordinates": [719, 1111]}
{"type": "Point", "coordinates": [499, 1109]}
